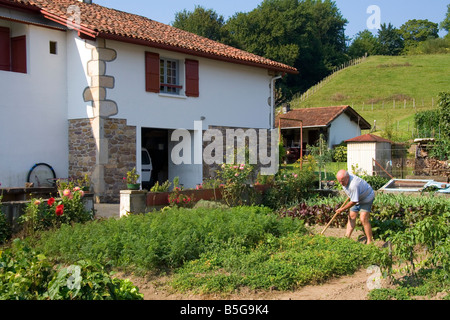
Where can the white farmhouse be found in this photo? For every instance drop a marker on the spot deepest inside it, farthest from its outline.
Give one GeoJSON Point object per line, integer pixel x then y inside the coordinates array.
{"type": "Point", "coordinates": [83, 88]}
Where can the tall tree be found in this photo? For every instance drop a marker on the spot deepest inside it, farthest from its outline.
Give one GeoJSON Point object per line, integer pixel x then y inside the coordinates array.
{"type": "Point", "coordinates": [203, 22]}
{"type": "Point", "coordinates": [416, 31]}
{"type": "Point", "coordinates": [364, 42]}
{"type": "Point", "coordinates": [308, 34]}
{"type": "Point", "coordinates": [390, 40]}
{"type": "Point", "coordinates": [446, 23]}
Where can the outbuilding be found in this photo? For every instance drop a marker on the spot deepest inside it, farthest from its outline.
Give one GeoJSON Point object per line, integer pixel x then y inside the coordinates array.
{"type": "Point", "coordinates": [369, 154]}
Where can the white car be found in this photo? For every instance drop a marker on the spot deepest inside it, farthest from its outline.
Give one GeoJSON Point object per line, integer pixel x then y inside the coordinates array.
{"type": "Point", "coordinates": [146, 167]}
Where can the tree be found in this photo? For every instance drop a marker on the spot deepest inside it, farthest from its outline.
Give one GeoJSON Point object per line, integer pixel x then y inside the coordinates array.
{"type": "Point", "coordinates": [390, 39]}
{"type": "Point", "coordinates": [446, 23]}
{"type": "Point", "coordinates": [364, 42]}
{"type": "Point", "coordinates": [307, 34]}
{"type": "Point", "coordinates": [203, 22]}
{"type": "Point", "coordinates": [416, 31]}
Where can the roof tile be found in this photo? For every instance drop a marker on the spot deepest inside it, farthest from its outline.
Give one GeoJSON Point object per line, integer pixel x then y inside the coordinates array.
{"type": "Point", "coordinates": [110, 22]}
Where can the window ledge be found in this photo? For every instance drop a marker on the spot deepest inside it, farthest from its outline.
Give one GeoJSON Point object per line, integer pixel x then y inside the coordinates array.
{"type": "Point", "coordinates": [168, 95]}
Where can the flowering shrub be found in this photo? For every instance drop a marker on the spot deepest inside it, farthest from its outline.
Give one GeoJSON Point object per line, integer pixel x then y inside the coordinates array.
{"type": "Point", "coordinates": [236, 179]}
{"type": "Point", "coordinates": [290, 187]}
{"type": "Point", "coordinates": [42, 215]}
{"type": "Point", "coordinates": [177, 199]}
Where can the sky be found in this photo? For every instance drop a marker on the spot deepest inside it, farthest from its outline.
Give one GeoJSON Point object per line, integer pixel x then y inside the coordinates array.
{"type": "Point", "coordinates": [361, 14]}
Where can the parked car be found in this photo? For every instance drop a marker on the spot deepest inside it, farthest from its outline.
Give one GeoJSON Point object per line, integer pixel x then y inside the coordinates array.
{"type": "Point", "coordinates": [147, 168]}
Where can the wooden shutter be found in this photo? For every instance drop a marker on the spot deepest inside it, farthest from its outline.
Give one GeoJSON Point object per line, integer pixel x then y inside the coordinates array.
{"type": "Point", "coordinates": [152, 83]}
{"type": "Point", "coordinates": [5, 49]}
{"type": "Point", "coordinates": [192, 78]}
{"type": "Point", "coordinates": [19, 54]}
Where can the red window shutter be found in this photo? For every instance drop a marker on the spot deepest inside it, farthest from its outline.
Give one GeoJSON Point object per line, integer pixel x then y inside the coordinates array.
{"type": "Point", "coordinates": [192, 78]}
{"type": "Point", "coordinates": [19, 54]}
{"type": "Point", "coordinates": [152, 72]}
{"type": "Point", "coordinates": [5, 49]}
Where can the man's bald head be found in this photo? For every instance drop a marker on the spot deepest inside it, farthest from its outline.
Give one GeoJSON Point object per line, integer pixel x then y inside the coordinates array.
{"type": "Point", "coordinates": [343, 177]}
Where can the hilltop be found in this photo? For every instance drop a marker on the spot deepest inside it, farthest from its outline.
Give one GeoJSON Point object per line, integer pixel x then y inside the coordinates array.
{"type": "Point", "coordinates": [388, 89]}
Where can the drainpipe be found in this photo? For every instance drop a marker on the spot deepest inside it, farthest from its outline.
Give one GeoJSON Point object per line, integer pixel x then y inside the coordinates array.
{"type": "Point", "coordinates": [272, 101]}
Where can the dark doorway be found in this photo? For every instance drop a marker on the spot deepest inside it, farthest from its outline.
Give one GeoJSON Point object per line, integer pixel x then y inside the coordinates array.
{"type": "Point", "coordinates": [156, 141]}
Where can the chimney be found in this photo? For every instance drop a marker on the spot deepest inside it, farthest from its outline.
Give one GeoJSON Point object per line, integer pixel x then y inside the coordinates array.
{"type": "Point", "coordinates": [86, 1]}
{"type": "Point", "coordinates": [285, 108]}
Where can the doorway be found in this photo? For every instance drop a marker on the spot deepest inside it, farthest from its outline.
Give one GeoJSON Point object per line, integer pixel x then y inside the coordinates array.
{"type": "Point", "coordinates": [156, 141]}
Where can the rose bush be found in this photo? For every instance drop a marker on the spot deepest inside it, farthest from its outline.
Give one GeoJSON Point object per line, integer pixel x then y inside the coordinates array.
{"type": "Point", "coordinates": [42, 215]}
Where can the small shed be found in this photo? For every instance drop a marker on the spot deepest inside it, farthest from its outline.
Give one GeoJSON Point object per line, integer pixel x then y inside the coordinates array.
{"type": "Point", "coordinates": [369, 154]}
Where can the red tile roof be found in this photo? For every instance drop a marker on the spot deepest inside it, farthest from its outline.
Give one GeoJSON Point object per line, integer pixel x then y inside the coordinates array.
{"type": "Point", "coordinates": [99, 21]}
{"type": "Point", "coordinates": [319, 117]}
{"type": "Point", "coordinates": [368, 138]}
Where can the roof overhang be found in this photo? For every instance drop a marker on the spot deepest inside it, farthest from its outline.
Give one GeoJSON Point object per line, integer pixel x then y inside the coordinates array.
{"type": "Point", "coordinates": [164, 46]}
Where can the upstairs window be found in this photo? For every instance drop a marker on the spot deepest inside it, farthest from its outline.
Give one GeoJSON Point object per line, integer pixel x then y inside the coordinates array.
{"type": "Point", "coordinates": [164, 75]}
{"type": "Point", "coordinates": [13, 52]}
{"type": "Point", "coordinates": [168, 73]}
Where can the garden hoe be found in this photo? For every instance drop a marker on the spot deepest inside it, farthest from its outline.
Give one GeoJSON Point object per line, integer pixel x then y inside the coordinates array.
{"type": "Point", "coordinates": [334, 217]}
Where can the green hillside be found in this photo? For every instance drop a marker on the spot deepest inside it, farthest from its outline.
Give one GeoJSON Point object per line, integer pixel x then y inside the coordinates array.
{"type": "Point", "coordinates": [387, 89]}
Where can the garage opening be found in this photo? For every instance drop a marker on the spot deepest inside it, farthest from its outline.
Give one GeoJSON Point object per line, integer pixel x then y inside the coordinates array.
{"type": "Point", "coordinates": [156, 142]}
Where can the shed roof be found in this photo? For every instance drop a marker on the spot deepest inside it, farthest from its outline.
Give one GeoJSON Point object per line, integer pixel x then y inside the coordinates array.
{"type": "Point", "coordinates": [103, 22]}
{"type": "Point", "coordinates": [369, 138]}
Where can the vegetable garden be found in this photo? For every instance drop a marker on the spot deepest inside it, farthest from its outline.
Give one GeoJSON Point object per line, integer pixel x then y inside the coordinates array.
{"type": "Point", "coordinates": [217, 249]}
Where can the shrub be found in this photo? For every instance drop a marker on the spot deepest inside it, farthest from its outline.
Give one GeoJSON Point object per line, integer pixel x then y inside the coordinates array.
{"type": "Point", "coordinates": [289, 187]}
{"type": "Point", "coordinates": [5, 228]}
{"type": "Point", "coordinates": [26, 274]}
{"type": "Point", "coordinates": [340, 154]}
{"type": "Point", "coordinates": [42, 215]}
{"type": "Point", "coordinates": [236, 181]}
{"type": "Point", "coordinates": [376, 182]}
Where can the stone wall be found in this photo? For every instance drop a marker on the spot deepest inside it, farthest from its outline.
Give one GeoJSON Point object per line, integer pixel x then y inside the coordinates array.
{"type": "Point", "coordinates": [82, 148]}
{"type": "Point", "coordinates": [210, 171]}
{"type": "Point", "coordinates": [121, 155]}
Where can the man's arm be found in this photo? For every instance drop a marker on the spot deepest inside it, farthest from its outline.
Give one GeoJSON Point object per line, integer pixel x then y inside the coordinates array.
{"type": "Point", "coordinates": [346, 207]}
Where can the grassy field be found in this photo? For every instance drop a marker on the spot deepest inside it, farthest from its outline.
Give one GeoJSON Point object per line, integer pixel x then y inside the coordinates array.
{"type": "Point", "coordinates": [387, 89]}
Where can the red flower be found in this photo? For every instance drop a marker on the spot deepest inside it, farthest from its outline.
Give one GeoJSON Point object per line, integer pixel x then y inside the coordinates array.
{"type": "Point", "coordinates": [60, 210]}
{"type": "Point", "coordinates": [51, 201]}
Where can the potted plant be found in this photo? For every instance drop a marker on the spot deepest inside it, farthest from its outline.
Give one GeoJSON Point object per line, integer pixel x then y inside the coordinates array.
{"type": "Point", "coordinates": [131, 179]}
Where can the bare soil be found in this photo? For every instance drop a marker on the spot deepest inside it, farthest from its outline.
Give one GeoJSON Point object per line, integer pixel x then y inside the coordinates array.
{"type": "Point", "coordinates": [353, 287]}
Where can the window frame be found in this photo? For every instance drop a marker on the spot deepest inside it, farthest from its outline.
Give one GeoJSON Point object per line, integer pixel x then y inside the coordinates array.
{"type": "Point", "coordinates": [169, 84]}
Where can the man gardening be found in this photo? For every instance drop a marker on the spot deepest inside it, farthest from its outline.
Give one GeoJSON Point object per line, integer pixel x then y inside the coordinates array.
{"type": "Point", "coordinates": [361, 197]}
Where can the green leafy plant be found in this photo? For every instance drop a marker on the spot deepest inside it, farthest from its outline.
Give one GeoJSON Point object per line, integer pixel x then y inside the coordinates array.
{"type": "Point", "coordinates": [27, 274]}
{"type": "Point", "coordinates": [5, 228]}
{"type": "Point", "coordinates": [132, 176]}
{"type": "Point", "coordinates": [161, 188]}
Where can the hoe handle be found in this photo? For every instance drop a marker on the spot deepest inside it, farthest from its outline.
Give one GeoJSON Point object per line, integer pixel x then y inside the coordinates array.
{"type": "Point", "coordinates": [334, 217]}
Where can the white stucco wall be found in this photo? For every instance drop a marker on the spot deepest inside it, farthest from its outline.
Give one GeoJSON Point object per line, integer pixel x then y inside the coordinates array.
{"type": "Point", "coordinates": [33, 108]}
{"type": "Point", "coordinates": [230, 95]}
{"type": "Point", "coordinates": [341, 129]}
